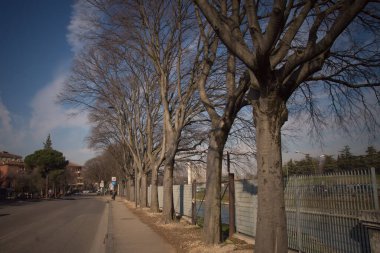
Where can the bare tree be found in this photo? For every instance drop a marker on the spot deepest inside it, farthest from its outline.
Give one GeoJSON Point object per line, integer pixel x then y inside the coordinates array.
{"type": "Point", "coordinates": [96, 86]}
{"type": "Point", "coordinates": [149, 103]}
{"type": "Point", "coordinates": [162, 30]}
{"type": "Point", "coordinates": [288, 47]}
{"type": "Point", "coordinates": [156, 144]}
{"type": "Point", "coordinates": [221, 124]}
{"type": "Point", "coordinates": [103, 167]}
{"type": "Point", "coordinates": [112, 79]}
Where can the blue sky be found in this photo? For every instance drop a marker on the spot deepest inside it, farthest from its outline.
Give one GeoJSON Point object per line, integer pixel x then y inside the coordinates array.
{"type": "Point", "coordinates": [35, 58]}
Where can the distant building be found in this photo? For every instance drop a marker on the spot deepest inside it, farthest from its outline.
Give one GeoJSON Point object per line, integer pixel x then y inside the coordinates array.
{"type": "Point", "coordinates": [77, 177]}
{"type": "Point", "coordinates": [8, 157]}
{"type": "Point", "coordinates": [10, 166]}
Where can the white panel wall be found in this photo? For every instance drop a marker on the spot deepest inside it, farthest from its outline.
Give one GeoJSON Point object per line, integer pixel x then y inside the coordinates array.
{"type": "Point", "coordinates": [246, 206]}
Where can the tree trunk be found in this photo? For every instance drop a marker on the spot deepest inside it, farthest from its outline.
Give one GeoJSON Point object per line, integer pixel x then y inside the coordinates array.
{"type": "Point", "coordinates": [127, 188]}
{"type": "Point", "coordinates": [132, 185]}
{"type": "Point", "coordinates": [137, 190]}
{"type": "Point", "coordinates": [46, 185]}
{"type": "Point", "coordinates": [143, 191]}
{"type": "Point", "coordinates": [270, 113]}
{"type": "Point", "coordinates": [154, 206]}
{"type": "Point", "coordinates": [168, 213]}
{"type": "Point", "coordinates": [212, 217]}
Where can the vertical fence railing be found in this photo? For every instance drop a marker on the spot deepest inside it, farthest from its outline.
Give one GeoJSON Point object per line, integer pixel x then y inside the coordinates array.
{"type": "Point", "coordinates": [374, 188]}
{"type": "Point", "coordinates": [323, 211]}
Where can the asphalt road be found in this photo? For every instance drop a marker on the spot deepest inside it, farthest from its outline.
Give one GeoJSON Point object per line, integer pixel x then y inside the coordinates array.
{"type": "Point", "coordinates": [75, 225]}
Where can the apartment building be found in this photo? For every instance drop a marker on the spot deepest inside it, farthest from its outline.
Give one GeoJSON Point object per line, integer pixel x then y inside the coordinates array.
{"type": "Point", "coordinates": [11, 165]}
{"type": "Point", "coordinates": [77, 177]}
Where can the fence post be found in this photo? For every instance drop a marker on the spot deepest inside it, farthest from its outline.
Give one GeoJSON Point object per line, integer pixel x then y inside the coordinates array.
{"type": "Point", "coordinates": [374, 188]}
{"type": "Point", "coordinates": [135, 188]}
{"type": "Point", "coordinates": [231, 201]}
{"type": "Point", "coordinates": [298, 220]}
{"type": "Point", "coordinates": [194, 203]}
{"type": "Point", "coordinates": [181, 199]}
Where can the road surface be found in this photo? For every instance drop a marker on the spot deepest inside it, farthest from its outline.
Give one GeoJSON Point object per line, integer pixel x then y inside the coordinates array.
{"type": "Point", "coordinates": [75, 225]}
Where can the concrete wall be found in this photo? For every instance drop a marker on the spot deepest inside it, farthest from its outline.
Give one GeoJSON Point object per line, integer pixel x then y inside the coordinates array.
{"type": "Point", "coordinates": [182, 199]}
{"type": "Point", "coordinates": [181, 195]}
{"type": "Point", "coordinates": [187, 200]}
{"type": "Point", "coordinates": [160, 196]}
{"type": "Point", "coordinates": [246, 206]}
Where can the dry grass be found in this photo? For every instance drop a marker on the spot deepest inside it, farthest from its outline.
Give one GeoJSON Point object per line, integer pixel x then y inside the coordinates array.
{"type": "Point", "coordinates": [184, 236]}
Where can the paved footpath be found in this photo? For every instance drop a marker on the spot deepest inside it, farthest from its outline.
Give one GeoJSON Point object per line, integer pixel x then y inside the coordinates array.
{"type": "Point", "coordinates": [126, 233]}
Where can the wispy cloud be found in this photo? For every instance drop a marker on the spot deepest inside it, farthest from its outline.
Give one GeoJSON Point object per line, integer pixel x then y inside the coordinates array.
{"type": "Point", "coordinates": [47, 117]}
{"type": "Point", "coordinates": [84, 14]}
{"type": "Point", "coordinates": [5, 119]}
{"type": "Point", "coordinates": [296, 137]}
{"type": "Point", "coordinates": [10, 137]}
{"type": "Point", "coordinates": [50, 117]}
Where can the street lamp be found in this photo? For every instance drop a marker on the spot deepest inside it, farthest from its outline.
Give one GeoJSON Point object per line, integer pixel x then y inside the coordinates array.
{"type": "Point", "coordinates": [189, 173]}
{"type": "Point", "coordinates": [322, 161]}
{"type": "Point", "coordinates": [299, 152]}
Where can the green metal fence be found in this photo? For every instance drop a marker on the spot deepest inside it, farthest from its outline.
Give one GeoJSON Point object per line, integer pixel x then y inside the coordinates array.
{"type": "Point", "coordinates": [323, 211]}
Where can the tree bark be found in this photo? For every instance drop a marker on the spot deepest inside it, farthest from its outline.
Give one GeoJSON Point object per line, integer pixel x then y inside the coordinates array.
{"type": "Point", "coordinates": [270, 113]}
{"type": "Point", "coordinates": [168, 213]}
{"type": "Point", "coordinates": [154, 206]}
{"type": "Point", "coordinates": [211, 231]}
{"type": "Point", "coordinates": [137, 191]}
{"type": "Point", "coordinates": [132, 189]}
{"type": "Point", "coordinates": [46, 185]}
{"type": "Point", "coordinates": [128, 191]}
{"type": "Point", "coordinates": [144, 191]}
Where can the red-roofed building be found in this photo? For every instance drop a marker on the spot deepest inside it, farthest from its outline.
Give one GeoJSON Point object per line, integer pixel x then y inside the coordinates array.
{"type": "Point", "coordinates": [10, 167]}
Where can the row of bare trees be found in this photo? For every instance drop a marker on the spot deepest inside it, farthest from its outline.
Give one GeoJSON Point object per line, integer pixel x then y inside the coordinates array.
{"type": "Point", "coordinates": [166, 81]}
{"type": "Point", "coordinates": [146, 75]}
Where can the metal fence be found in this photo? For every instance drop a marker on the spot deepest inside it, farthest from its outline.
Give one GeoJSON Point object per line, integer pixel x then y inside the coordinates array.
{"type": "Point", "coordinates": [323, 211]}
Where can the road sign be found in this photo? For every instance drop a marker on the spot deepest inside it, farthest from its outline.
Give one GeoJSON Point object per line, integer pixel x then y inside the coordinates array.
{"type": "Point", "coordinates": [113, 179]}
{"type": "Point", "coordinates": [101, 184]}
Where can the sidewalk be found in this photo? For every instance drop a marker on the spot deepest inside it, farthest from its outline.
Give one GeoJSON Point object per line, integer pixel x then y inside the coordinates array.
{"type": "Point", "coordinates": [126, 233]}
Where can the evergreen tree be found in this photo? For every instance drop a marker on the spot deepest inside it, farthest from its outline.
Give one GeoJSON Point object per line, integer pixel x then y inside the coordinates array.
{"type": "Point", "coordinates": [372, 157]}
{"type": "Point", "coordinates": [345, 159]}
{"type": "Point", "coordinates": [330, 164]}
{"type": "Point", "coordinates": [48, 143]}
{"type": "Point", "coordinates": [290, 168]}
{"type": "Point", "coordinates": [45, 161]}
{"type": "Point", "coordinates": [306, 166]}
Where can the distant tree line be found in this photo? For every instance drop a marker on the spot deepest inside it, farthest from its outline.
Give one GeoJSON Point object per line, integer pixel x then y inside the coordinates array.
{"type": "Point", "coordinates": [345, 161]}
